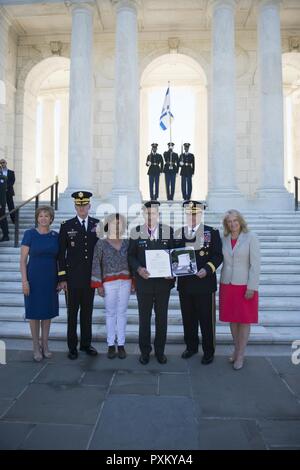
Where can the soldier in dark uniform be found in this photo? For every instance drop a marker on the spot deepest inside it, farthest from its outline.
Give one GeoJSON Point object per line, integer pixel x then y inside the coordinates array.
{"type": "Point", "coordinates": [77, 238]}
{"type": "Point", "coordinates": [197, 292]}
{"type": "Point", "coordinates": [151, 292]}
{"type": "Point", "coordinates": [187, 164]}
{"type": "Point", "coordinates": [170, 170]}
{"type": "Point", "coordinates": [155, 163]}
{"type": "Point", "coordinates": [3, 222]}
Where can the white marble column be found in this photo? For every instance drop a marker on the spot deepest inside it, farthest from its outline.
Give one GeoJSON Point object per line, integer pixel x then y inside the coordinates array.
{"type": "Point", "coordinates": [126, 163]}
{"type": "Point", "coordinates": [47, 176]}
{"type": "Point", "coordinates": [4, 27]}
{"type": "Point", "coordinates": [80, 157]}
{"type": "Point", "coordinates": [271, 194]}
{"type": "Point", "coordinates": [223, 191]}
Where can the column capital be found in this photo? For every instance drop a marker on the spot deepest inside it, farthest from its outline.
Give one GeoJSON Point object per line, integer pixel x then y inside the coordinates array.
{"type": "Point", "coordinates": [6, 19]}
{"type": "Point", "coordinates": [126, 4]}
{"type": "Point", "coordinates": [261, 4]}
{"type": "Point", "coordinates": [88, 5]}
{"type": "Point", "coordinates": [214, 4]}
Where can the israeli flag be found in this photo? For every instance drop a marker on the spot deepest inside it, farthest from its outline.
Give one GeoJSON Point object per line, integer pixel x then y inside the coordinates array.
{"type": "Point", "coordinates": [166, 114]}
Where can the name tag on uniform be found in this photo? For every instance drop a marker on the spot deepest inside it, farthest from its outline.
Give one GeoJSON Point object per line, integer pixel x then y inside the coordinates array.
{"type": "Point", "coordinates": [72, 233]}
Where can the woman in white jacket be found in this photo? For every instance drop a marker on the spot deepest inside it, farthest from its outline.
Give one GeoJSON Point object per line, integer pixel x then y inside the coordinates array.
{"type": "Point", "coordinates": [239, 282]}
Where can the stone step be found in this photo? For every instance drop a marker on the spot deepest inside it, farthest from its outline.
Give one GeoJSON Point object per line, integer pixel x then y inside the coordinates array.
{"type": "Point", "coordinates": [266, 318]}
{"type": "Point", "coordinates": [267, 256]}
{"type": "Point", "coordinates": [259, 334]}
{"type": "Point", "coordinates": [265, 279]}
{"type": "Point", "coordinates": [268, 301]}
{"type": "Point", "coordinates": [264, 291]}
{"type": "Point", "coordinates": [284, 268]}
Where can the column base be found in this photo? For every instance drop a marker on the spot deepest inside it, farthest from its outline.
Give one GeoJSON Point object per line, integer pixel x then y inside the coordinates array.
{"type": "Point", "coordinates": [125, 201]}
{"type": "Point", "coordinates": [274, 199]}
{"type": "Point", "coordinates": [223, 200]}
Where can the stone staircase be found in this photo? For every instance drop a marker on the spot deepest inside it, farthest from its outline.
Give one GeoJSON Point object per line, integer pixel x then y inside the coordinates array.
{"type": "Point", "coordinates": [279, 314]}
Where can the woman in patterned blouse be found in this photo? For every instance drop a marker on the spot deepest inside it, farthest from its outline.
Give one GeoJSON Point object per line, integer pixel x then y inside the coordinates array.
{"type": "Point", "coordinates": [111, 276]}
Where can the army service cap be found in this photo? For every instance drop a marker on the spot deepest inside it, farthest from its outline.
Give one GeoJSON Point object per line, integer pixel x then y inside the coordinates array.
{"type": "Point", "coordinates": [81, 198]}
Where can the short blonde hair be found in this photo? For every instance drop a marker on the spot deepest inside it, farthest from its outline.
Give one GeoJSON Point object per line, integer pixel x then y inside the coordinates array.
{"type": "Point", "coordinates": [48, 209]}
{"type": "Point", "coordinates": [238, 215]}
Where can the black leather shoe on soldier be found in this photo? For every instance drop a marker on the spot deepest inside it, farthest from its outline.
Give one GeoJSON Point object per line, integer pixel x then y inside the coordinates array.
{"type": "Point", "coordinates": [73, 354]}
{"type": "Point", "coordinates": [207, 359]}
{"type": "Point", "coordinates": [162, 359]}
{"type": "Point", "coordinates": [90, 351]}
{"type": "Point", "coordinates": [188, 353]}
{"type": "Point", "coordinates": [144, 359]}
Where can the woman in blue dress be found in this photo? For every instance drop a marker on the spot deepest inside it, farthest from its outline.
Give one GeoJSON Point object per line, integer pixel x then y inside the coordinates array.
{"type": "Point", "coordinates": [40, 279]}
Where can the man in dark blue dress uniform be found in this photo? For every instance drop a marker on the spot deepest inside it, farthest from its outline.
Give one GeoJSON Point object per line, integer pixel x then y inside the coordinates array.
{"type": "Point", "coordinates": [155, 163]}
{"type": "Point", "coordinates": [3, 192]}
{"type": "Point", "coordinates": [152, 293]}
{"type": "Point", "coordinates": [187, 165]}
{"type": "Point", "coordinates": [77, 238]}
{"type": "Point", "coordinates": [170, 170]}
{"type": "Point", "coordinates": [197, 292]}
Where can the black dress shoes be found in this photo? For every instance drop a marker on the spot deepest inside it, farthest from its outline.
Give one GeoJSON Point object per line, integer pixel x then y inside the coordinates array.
{"type": "Point", "coordinates": [144, 359]}
{"type": "Point", "coordinates": [90, 351]}
{"type": "Point", "coordinates": [188, 353]}
{"type": "Point", "coordinates": [162, 359]}
{"type": "Point", "coordinates": [73, 354]}
{"type": "Point", "coordinates": [4, 239]}
{"type": "Point", "coordinates": [207, 359]}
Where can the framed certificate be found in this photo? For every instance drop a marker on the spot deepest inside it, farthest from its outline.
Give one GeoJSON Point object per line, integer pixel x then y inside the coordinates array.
{"type": "Point", "coordinates": [183, 261]}
{"type": "Point", "coordinates": [158, 263]}
{"type": "Point", "coordinates": [171, 263]}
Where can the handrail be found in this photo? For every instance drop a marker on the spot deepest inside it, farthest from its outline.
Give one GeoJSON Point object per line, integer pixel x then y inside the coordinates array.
{"type": "Point", "coordinates": [53, 202]}
{"type": "Point", "coordinates": [296, 179]}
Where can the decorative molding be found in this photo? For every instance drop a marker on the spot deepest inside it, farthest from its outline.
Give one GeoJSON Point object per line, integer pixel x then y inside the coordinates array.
{"type": "Point", "coordinates": [56, 47]}
{"type": "Point", "coordinates": [294, 44]}
{"type": "Point", "coordinates": [173, 45]}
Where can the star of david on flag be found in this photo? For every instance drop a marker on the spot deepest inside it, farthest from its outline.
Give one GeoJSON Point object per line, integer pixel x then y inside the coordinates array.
{"type": "Point", "coordinates": [166, 114]}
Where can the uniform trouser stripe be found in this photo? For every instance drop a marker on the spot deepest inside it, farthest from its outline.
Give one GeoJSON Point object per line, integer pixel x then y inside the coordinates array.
{"type": "Point", "coordinates": [213, 316]}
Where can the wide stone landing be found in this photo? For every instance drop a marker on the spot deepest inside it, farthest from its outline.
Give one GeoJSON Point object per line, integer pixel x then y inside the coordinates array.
{"type": "Point", "coordinates": [97, 403]}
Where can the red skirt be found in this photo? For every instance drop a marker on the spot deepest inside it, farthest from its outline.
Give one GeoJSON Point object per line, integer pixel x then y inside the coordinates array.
{"type": "Point", "coordinates": [234, 308]}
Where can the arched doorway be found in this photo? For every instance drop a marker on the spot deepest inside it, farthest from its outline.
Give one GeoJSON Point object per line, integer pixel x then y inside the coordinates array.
{"type": "Point", "coordinates": [188, 91]}
{"type": "Point", "coordinates": [42, 127]}
{"type": "Point", "coordinates": [291, 90]}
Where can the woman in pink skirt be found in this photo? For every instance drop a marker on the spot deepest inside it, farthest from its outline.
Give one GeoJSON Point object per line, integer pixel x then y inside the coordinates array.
{"type": "Point", "coordinates": [239, 282]}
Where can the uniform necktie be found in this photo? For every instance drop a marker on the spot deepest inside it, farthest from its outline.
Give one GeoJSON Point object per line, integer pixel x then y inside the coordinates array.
{"type": "Point", "coordinates": [83, 225]}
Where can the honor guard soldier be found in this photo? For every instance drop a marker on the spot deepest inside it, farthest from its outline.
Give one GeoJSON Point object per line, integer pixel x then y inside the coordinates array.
{"type": "Point", "coordinates": [77, 238]}
{"type": "Point", "coordinates": [3, 222]}
{"type": "Point", "coordinates": [151, 292]}
{"type": "Point", "coordinates": [197, 292]}
{"type": "Point", "coordinates": [187, 164]}
{"type": "Point", "coordinates": [155, 164]}
{"type": "Point", "coordinates": [170, 170]}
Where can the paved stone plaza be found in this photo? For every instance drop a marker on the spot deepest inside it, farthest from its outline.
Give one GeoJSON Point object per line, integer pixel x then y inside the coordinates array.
{"type": "Point", "coordinates": [97, 403]}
